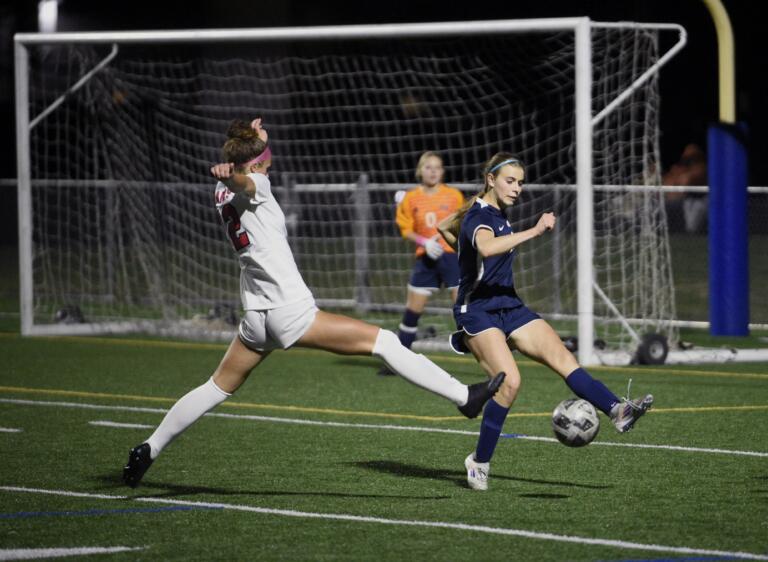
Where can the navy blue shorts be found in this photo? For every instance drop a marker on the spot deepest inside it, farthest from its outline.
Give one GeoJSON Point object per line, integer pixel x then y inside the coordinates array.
{"type": "Point", "coordinates": [429, 274]}
{"type": "Point", "coordinates": [473, 322]}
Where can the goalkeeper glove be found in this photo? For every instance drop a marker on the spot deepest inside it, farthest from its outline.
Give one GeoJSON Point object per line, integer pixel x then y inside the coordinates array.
{"type": "Point", "coordinates": [433, 247]}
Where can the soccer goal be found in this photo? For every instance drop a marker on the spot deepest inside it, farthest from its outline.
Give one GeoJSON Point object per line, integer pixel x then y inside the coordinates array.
{"type": "Point", "coordinates": [116, 132]}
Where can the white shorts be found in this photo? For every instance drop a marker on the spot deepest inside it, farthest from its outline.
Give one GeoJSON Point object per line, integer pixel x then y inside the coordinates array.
{"type": "Point", "coordinates": [277, 328]}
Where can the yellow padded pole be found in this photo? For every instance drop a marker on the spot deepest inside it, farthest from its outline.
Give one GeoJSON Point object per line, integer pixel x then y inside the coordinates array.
{"type": "Point", "coordinates": [725, 59]}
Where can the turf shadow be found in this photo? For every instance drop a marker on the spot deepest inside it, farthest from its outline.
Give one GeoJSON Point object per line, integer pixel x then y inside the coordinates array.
{"type": "Point", "coordinates": [413, 471]}
{"type": "Point", "coordinates": [460, 477]}
{"type": "Point", "coordinates": [165, 490]}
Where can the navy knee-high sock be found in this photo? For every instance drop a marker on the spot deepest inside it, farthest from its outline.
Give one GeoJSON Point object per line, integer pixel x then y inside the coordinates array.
{"type": "Point", "coordinates": [408, 327]}
{"type": "Point", "coordinates": [591, 390]}
{"type": "Point", "coordinates": [490, 430]}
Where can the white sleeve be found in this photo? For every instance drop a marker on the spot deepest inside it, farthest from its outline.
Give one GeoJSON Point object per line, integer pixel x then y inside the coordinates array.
{"type": "Point", "coordinates": [222, 195]}
{"type": "Point", "coordinates": [263, 188]}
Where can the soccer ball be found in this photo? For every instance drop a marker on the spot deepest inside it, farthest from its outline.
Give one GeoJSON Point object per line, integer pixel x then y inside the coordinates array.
{"type": "Point", "coordinates": [575, 422]}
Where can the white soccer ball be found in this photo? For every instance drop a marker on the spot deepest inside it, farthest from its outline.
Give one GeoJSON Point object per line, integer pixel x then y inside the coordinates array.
{"type": "Point", "coordinates": [575, 422]}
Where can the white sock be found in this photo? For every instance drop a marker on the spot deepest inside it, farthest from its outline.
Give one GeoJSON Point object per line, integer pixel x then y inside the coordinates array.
{"type": "Point", "coordinates": [418, 369]}
{"type": "Point", "coordinates": [190, 408]}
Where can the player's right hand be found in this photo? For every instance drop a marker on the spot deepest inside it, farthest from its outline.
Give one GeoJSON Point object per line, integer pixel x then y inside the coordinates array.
{"type": "Point", "coordinates": [223, 171]}
{"type": "Point", "coordinates": [433, 247]}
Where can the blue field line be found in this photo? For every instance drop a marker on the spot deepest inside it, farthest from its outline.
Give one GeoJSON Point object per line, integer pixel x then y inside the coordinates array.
{"type": "Point", "coordinates": [90, 512]}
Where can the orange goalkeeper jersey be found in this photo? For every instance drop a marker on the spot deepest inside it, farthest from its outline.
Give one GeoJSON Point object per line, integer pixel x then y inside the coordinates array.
{"type": "Point", "coordinates": [421, 212]}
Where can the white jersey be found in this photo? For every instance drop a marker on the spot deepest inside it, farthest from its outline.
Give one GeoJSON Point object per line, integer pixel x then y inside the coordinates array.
{"type": "Point", "coordinates": [255, 225]}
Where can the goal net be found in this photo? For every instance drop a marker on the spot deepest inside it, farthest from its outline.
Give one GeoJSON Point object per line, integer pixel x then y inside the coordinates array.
{"type": "Point", "coordinates": [119, 232]}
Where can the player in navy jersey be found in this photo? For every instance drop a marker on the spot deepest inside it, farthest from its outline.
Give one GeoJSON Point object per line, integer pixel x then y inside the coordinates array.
{"type": "Point", "coordinates": [280, 310]}
{"type": "Point", "coordinates": [492, 320]}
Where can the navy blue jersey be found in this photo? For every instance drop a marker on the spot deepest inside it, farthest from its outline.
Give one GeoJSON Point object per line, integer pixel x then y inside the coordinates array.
{"type": "Point", "coordinates": [486, 283]}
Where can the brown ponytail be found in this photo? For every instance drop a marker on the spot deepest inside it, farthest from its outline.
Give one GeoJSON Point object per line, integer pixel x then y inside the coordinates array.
{"type": "Point", "coordinates": [243, 143]}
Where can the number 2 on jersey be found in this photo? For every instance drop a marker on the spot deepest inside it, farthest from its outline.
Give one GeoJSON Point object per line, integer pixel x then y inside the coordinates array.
{"type": "Point", "coordinates": [235, 230]}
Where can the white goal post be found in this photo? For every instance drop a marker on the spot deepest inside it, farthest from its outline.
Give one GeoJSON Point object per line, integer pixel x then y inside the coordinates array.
{"type": "Point", "coordinates": [115, 131]}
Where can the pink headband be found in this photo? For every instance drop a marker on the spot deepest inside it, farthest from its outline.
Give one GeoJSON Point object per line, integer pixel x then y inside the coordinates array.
{"type": "Point", "coordinates": [264, 156]}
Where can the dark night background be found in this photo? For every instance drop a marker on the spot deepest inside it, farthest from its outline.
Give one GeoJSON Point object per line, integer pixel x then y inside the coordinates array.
{"type": "Point", "coordinates": [689, 90]}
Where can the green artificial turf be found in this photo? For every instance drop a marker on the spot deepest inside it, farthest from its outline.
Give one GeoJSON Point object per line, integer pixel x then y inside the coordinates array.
{"type": "Point", "coordinates": [354, 462]}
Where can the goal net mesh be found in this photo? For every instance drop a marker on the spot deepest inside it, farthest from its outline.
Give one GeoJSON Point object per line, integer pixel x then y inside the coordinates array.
{"type": "Point", "coordinates": [125, 234]}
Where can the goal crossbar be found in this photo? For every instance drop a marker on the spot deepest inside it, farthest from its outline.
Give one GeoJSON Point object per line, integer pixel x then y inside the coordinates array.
{"type": "Point", "coordinates": [311, 33]}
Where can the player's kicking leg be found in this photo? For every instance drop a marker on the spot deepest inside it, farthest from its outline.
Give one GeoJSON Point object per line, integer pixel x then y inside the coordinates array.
{"type": "Point", "coordinates": [539, 341]}
{"type": "Point", "coordinates": [348, 336]}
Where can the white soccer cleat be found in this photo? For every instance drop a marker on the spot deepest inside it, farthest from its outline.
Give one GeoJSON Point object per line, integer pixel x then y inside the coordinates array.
{"type": "Point", "coordinates": [477, 473]}
{"type": "Point", "coordinates": [627, 412]}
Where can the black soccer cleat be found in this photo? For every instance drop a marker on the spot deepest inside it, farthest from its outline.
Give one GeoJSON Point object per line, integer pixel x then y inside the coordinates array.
{"type": "Point", "coordinates": [479, 394]}
{"type": "Point", "coordinates": [139, 462]}
{"type": "Point", "coordinates": [385, 371]}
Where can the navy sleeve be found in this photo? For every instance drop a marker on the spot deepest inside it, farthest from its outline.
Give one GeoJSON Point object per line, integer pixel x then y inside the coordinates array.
{"type": "Point", "coordinates": [474, 222]}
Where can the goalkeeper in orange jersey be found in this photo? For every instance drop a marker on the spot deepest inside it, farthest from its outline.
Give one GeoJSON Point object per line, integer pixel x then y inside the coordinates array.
{"type": "Point", "coordinates": [418, 215]}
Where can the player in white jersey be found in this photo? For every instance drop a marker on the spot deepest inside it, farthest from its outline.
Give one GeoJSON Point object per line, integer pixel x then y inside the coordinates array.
{"type": "Point", "coordinates": [280, 311]}
{"type": "Point", "coordinates": [269, 277]}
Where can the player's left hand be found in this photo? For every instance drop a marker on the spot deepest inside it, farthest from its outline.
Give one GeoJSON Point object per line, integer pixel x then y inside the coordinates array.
{"type": "Point", "coordinates": [261, 131]}
{"type": "Point", "coordinates": [433, 247]}
{"type": "Point", "coordinates": [546, 222]}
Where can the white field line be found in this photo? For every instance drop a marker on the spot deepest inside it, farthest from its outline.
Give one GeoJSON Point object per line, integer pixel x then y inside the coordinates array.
{"type": "Point", "coordinates": [387, 427]}
{"type": "Point", "coordinates": [38, 553]}
{"type": "Point", "coordinates": [10, 430]}
{"type": "Point", "coordinates": [415, 523]}
{"type": "Point", "coordinates": [645, 446]}
{"type": "Point", "coordinates": [104, 423]}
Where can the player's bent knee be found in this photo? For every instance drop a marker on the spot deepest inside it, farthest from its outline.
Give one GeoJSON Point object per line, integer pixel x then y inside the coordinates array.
{"type": "Point", "coordinates": [510, 387]}
{"type": "Point", "coordinates": [386, 342]}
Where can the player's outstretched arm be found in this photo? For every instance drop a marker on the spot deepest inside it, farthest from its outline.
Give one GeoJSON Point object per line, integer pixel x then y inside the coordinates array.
{"type": "Point", "coordinates": [489, 245]}
{"type": "Point", "coordinates": [225, 173]}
